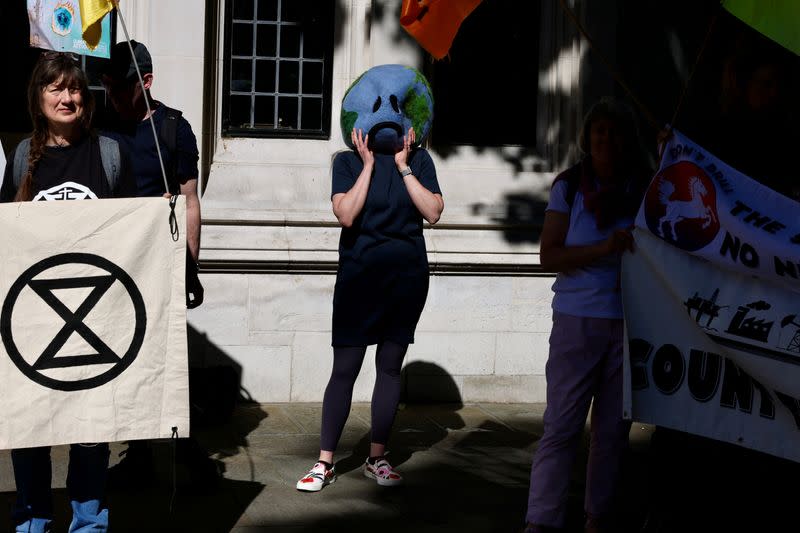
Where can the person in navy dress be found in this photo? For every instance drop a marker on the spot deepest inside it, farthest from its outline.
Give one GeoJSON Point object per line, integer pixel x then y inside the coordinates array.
{"type": "Point", "coordinates": [380, 200]}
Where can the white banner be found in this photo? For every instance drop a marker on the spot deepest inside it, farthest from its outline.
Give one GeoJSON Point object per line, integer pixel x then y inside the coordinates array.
{"type": "Point", "coordinates": [713, 330]}
{"type": "Point", "coordinates": [701, 205]}
{"type": "Point", "coordinates": [93, 322]}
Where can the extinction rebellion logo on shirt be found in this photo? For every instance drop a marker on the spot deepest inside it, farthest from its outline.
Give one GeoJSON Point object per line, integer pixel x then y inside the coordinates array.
{"type": "Point", "coordinates": [681, 206]}
{"type": "Point", "coordinates": [68, 190]}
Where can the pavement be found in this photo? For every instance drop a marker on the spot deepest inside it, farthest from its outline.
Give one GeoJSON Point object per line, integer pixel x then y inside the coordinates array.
{"type": "Point", "coordinates": [466, 468]}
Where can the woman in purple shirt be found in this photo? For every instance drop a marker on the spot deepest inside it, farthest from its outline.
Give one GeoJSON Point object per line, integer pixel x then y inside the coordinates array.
{"type": "Point", "coordinates": [586, 229]}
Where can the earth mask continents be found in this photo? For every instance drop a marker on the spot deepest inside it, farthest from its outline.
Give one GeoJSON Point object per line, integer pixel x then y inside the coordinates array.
{"type": "Point", "coordinates": [385, 102]}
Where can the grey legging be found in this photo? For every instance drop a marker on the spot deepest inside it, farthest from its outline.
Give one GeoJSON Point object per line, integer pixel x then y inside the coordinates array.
{"type": "Point", "coordinates": [347, 362]}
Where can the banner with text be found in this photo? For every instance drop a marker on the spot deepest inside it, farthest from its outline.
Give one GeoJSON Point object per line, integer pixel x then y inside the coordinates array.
{"type": "Point", "coordinates": [56, 25]}
{"type": "Point", "coordinates": [711, 306]}
{"type": "Point", "coordinates": [703, 206]}
{"type": "Point", "coordinates": [93, 322]}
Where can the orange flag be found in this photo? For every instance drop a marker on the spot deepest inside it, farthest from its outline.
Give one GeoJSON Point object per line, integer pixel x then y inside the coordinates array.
{"type": "Point", "coordinates": [434, 23]}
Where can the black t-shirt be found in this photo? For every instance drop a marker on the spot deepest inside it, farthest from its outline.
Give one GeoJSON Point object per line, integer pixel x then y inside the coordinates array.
{"type": "Point", "coordinates": [72, 172]}
{"type": "Point", "coordinates": [138, 138]}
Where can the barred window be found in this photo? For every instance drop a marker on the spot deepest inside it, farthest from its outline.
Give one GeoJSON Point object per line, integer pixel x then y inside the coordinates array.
{"type": "Point", "coordinates": [278, 59]}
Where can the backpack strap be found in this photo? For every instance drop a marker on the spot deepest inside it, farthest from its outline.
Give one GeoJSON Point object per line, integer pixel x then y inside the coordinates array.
{"type": "Point", "coordinates": [573, 178]}
{"type": "Point", "coordinates": [20, 167]}
{"type": "Point", "coordinates": [110, 156]}
{"type": "Point", "coordinates": [169, 136]}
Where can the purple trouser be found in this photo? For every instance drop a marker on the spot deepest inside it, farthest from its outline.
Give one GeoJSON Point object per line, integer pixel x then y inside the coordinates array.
{"type": "Point", "coordinates": [585, 363]}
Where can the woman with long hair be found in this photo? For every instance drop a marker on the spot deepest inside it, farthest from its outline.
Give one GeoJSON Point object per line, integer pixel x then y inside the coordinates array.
{"type": "Point", "coordinates": [586, 229]}
{"type": "Point", "coordinates": [63, 160]}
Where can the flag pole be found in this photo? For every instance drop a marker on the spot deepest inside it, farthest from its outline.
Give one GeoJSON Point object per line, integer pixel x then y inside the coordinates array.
{"type": "Point", "coordinates": [649, 117]}
{"type": "Point", "coordinates": [144, 92]}
{"type": "Point", "coordinates": [696, 63]}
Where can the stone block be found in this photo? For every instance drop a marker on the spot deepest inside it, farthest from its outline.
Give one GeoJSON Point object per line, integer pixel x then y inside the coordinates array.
{"type": "Point", "coordinates": [521, 353]}
{"type": "Point", "coordinates": [531, 302]}
{"type": "Point", "coordinates": [457, 353]}
{"type": "Point", "coordinates": [461, 303]}
{"type": "Point", "coordinates": [223, 317]}
{"type": "Point", "coordinates": [504, 389]}
{"type": "Point", "coordinates": [312, 361]}
{"type": "Point", "coordinates": [266, 371]}
{"type": "Point", "coordinates": [291, 303]}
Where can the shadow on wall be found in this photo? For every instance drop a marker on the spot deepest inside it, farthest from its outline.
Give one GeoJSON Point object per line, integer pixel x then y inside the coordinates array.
{"type": "Point", "coordinates": [215, 391]}
{"type": "Point", "coordinates": [520, 216]}
{"type": "Point", "coordinates": [426, 383]}
{"type": "Point", "coordinates": [202, 502]}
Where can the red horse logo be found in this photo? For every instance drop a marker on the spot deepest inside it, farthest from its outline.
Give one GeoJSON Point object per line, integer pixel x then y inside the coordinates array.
{"type": "Point", "coordinates": [677, 210]}
{"type": "Point", "coordinates": [680, 206]}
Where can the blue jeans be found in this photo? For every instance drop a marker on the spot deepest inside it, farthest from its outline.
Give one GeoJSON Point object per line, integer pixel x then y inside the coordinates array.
{"type": "Point", "coordinates": [86, 479]}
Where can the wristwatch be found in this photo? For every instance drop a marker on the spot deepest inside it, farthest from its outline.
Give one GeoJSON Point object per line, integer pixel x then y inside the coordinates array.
{"type": "Point", "coordinates": [406, 171]}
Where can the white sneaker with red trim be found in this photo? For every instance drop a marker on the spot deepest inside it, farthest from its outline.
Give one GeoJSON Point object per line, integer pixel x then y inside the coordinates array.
{"type": "Point", "coordinates": [317, 478]}
{"type": "Point", "coordinates": [383, 473]}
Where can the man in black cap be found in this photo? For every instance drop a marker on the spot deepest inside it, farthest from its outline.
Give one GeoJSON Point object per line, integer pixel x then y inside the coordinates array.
{"type": "Point", "coordinates": [129, 124]}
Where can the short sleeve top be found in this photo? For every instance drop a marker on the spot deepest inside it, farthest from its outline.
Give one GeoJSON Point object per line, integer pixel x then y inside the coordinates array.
{"type": "Point", "coordinates": [592, 291]}
{"type": "Point", "coordinates": [137, 138]}
{"type": "Point", "coordinates": [388, 231]}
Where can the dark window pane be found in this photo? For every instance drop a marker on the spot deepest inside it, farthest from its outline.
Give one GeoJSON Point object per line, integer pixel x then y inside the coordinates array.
{"type": "Point", "coordinates": [312, 78]}
{"type": "Point", "coordinates": [289, 77]}
{"type": "Point", "coordinates": [292, 10]}
{"type": "Point", "coordinates": [265, 76]}
{"type": "Point", "coordinates": [242, 39]}
{"type": "Point", "coordinates": [94, 66]}
{"type": "Point", "coordinates": [99, 98]}
{"type": "Point", "coordinates": [241, 75]}
{"type": "Point", "coordinates": [315, 41]}
{"type": "Point", "coordinates": [484, 39]}
{"type": "Point", "coordinates": [243, 9]}
{"type": "Point", "coordinates": [268, 9]}
{"type": "Point", "coordinates": [290, 41]}
{"type": "Point", "coordinates": [287, 112]}
{"type": "Point", "coordinates": [265, 112]}
{"type": "Point", "coordinates": [240, 111]}
{"type": "Point", "coordinates": [311, 114]}
{"type": "Point", "coordinates": [267, 40]}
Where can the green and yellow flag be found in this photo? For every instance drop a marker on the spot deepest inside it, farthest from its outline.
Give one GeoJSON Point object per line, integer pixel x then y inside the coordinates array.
{"type": "Point", "coordinates": [777, 19]}
{"type": "Point", "coordinates": [92, 13]}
